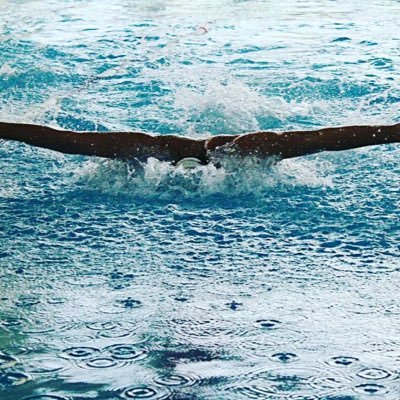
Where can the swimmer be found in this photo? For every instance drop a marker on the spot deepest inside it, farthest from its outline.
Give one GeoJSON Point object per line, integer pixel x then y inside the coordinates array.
{"type": "Point", "coordinates": [141, 146]}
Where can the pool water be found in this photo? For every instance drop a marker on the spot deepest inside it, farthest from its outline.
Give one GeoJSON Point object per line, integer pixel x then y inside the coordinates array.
{"type": "Point", "coordinates": [250, 281]}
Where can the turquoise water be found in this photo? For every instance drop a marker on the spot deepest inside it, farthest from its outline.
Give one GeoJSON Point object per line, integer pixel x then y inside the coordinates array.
{"type": "Point", "coordinates": [252, 281]}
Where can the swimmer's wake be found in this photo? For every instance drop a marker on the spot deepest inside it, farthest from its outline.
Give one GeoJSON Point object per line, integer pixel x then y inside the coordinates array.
{"type": "Point", "coordinates": [141, 146]}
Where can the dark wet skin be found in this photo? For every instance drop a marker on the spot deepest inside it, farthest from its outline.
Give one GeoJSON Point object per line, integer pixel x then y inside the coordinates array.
{"type": "Point", "coordinates": [141, 146]}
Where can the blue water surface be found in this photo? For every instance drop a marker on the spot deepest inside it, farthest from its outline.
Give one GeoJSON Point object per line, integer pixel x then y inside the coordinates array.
{"type": "Point", "coordinates": [251, 281]}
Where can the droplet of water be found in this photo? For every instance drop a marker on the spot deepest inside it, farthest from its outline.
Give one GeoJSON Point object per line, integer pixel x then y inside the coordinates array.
{"type": "Point", "coordinates": [374, 373]}
{"type": "Point", "coordinates": [343, 361]}
{"type": "Point", "coordinates": [284, 357]}
{"type": "Point", "coordinates": [126, 352]}
{"type": "Point", "coordinates": [130, 303]}
{"type": "Point", "coordinates": [102, 362]}
{"type": "Point", "coordinates": [267, 323]}
{"type": "Point", "coordinates": [177, 380]}
{"type": "Point", "coordinates": [371, 389]}
{"type": "Point", "coordinates": [79, 352]}
{"type": "Point", "coordinates": [144, 392]}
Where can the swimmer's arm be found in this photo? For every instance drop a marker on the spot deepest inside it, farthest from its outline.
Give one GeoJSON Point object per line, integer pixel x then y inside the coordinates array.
{"type": "Point", "coordinates": [300, 143]}
{"type": "Point", "coordinates": [141, 146]}
{"type": "Point", "coordinates": [117, 145]}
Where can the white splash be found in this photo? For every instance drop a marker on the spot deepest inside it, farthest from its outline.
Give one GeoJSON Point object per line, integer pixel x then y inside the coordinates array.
{"type": "Point", "coordinates": [7, 70]}
{"type": "Point", "coordinates": [229, 176]}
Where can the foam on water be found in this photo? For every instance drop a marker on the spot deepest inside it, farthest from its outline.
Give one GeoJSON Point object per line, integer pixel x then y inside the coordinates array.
{"type": "Point", "coordinates": [232, 177]}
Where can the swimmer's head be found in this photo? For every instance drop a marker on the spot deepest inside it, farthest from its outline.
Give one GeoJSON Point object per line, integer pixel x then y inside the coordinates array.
{"type": "Point", "coordinates": [189, 163]}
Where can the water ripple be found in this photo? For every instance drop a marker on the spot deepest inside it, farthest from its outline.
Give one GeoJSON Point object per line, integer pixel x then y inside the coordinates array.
{"type": "Point", "coordinates": [45, 397]}
{"type": "Point", "coordinates": [102, 362]}
{"type": "Point", "coordinates": [267, 323]}
{"type": "Point", "coordinates": [343, 361]}
{"type": "Point", "coordinates": [144, 392]}
{"type": "Point", "coordinates": [7, 361]}
{"type": "Point", "coordinates": [177, 380]}
{"type": "Point", "coordinates": [374, 373]}
{"type": "Point", "coordinates": [284, 357]}
{"type": "Point", "coordinates": [8, 379]}
{"type": "Point", "coordinates": [371, 389]}
{"type": "Point", "coordinates": [45, 365]}
{"type": "Point", "coordinates": [126, 352]}
{"type": "Point", "coordinates": [247, 278]}
{"type": "Point", "coordinates": [79, 352]}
